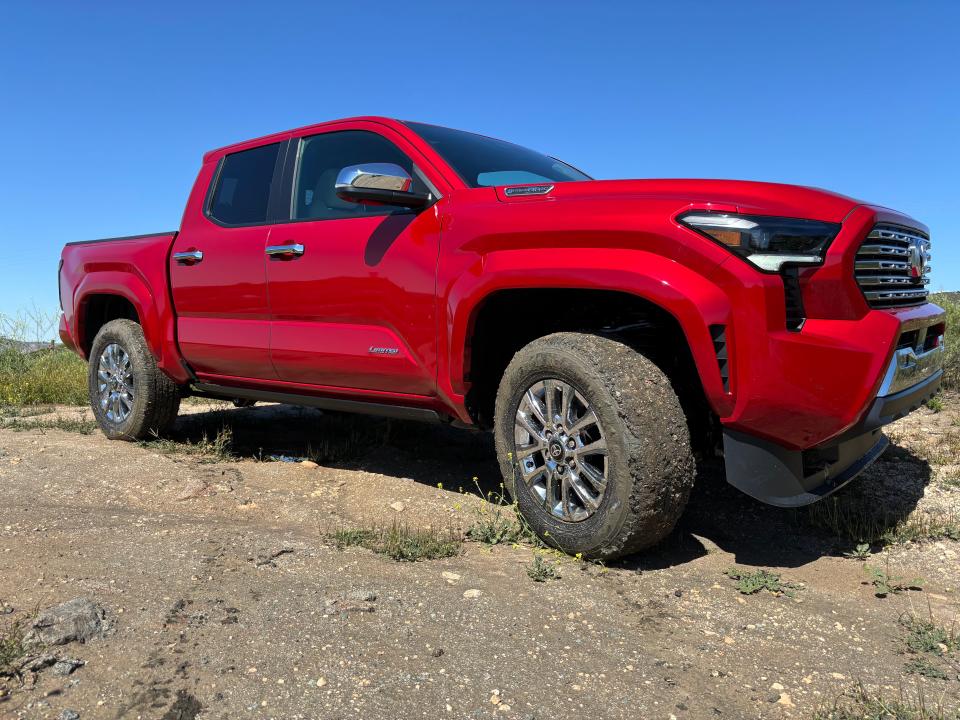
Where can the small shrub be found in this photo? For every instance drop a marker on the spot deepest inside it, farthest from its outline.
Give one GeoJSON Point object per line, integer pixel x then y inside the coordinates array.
{"type": "Point", "coordinates": [541, 571]}
{"type": "Point", "coordinates": [401, 542]}
{"type": "Point", "coordinates": [857, 520]}
{"type": "Point", "coordinates": [497, 522]}
{"type": "Point", "coordinates": [924, 667]}
{"type": "Point", "coordinates": [935, 404]}
{"type": "Point", "coordinates": [925, 636]}
{"type": "Point", "coordinates": [860, 552]}
{"type": "Point", "coordinates": [220, 449]}
{"type": "Point", "coordinates": [11, 646]}
{"type": "Point", "coordinates": [749, 582]}
{"type": "Point", "coordinates": [886, 584]}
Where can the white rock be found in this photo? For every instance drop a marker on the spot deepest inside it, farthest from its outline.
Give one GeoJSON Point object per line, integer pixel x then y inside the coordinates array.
{"type": "Point", "coordinates": [398, 506]}
{"type": "Point", "coordinates": [472, 593]}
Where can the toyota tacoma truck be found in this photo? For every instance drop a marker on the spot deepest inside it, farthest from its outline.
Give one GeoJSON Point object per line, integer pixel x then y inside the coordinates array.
{"type": "Point", "coordinates": [606, 331]}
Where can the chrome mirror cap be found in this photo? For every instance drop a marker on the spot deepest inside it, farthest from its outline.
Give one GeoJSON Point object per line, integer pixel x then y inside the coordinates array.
{"type": "Point", "coordinates": [378, 176]}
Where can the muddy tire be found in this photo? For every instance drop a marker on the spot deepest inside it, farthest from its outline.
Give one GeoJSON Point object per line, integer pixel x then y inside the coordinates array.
{"type": "Point", "coordinates": [132, 399]}
{"type": "Point", "coordinates": [593, 445]}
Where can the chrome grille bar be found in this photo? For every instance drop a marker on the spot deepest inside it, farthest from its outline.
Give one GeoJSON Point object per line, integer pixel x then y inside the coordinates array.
{"type": "Point", "coordinates": [892, 267]}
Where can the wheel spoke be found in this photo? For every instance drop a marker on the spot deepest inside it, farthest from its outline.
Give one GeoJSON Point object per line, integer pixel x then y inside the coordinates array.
{"type": "Point", "coordinates": [527, 450]}
{"type": "Point", "coordinates": [549, 391]}
{"type": "Point", "coordinates": [593, 476]}
{"type": "Point", "coordinates": [586, 420]}
{"type": "Point", "coordinates": [548, 498]}
{"type": "Point", "coordinates": [597, 447]}
{"type": "Point", "coordinates": [530, 475]}
{"type": "Point", "coordinates": [589, 502]}
{"type": "Point", "coordinates": [565, 498]}
{"type": "Point", "coordinates": [524, 423]}
{"type": "Point", "coordinates": [533, 404]}
{"type": "Point", "coordinates": [566, 398]}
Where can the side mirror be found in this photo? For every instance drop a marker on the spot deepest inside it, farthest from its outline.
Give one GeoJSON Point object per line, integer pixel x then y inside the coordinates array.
{"type": "Point", "coordinates": [379, 184]}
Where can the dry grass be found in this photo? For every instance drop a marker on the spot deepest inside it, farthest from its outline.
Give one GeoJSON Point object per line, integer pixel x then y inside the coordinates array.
{"type": "Point", "coordinates": [401, 542]}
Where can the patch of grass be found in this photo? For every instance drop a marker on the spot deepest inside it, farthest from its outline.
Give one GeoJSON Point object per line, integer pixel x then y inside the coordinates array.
{"type": "Point", "coordinates": [498, 522]}
{"type": "Point", "coordinates": [32, 375]}
{"type": "Point", "coordinates": [951, 365]}
{"type": "Point", "coordinates": [863, 705]}
{"type": "Point", "coordinates": [11, 646]}
{"type": "Point", "coordinates": [750, 582]}
{"type": "Point", "coordinates": [401, 542]}
{"type": "Point", "coordinates": [926, 668]}
{"type": "Point", "coordinates": [935, 404]}
{"type": "Point", "coordinates": [219, 449]}
{"type": "Point", "coordinates": [886, 584]}
{"type": "Point", "coordinates": [925, 636]}
{"type": "Point", "coordinates": [75, 425]}
{"type": "Point", "coordinates": [540, 570]}
{"type": "Point", "coordinates": [857, 521]}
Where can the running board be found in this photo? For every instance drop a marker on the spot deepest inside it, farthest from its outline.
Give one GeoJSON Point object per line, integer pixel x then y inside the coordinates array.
{"type": "Point", "coordinates": [224, 392]}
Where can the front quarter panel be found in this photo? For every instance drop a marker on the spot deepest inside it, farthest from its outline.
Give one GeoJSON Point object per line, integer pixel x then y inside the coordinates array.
{"type": "Point", "coordinates": [578, 243]}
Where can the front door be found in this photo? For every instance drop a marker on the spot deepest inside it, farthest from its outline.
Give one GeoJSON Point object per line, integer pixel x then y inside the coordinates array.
{"type": "Point", "coordinates": [353, 303]}
{"type": "Point", "coordinates": [218, 270]}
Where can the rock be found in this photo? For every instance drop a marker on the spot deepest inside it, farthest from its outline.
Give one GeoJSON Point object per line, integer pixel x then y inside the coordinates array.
{"type": "Point", "coordinates": [472, 593]}
{"type": "Point", "coordinates": [777, 686]}
{"type": "Point", "coordinates": [728, 640]}
{"type": "Point", "coordinates": [321, 682]}
{"type": "Point", "coordinates": [41, 662]}
{"type": "Point", "coordinates": [65, 665]}
{"type": "Point", "coordinates": [838, 676]}
{"type": "Point", "coordinates": [450, 577]}
{"type": "Point", "coordinates": [494, 699]}
{"type": "Point", "coordinates": [437, 652]}
{"type": "Point", "coordinates": [69, 715]}
{"type": "Point", "coordinates": [309, 464]}
{"type": "Point", "coordinates": [362, 595]}
{"type": "Point", "coordinates": [785, 701]}
{"type": "Point", "coordinates": [78, 620]}
{"type": "Point", "coordinates": [398, 506]}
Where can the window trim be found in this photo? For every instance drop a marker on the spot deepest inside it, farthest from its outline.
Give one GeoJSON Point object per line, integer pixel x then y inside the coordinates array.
{"type": "Point", "coordinates": [278, 166]}
{"type": "Point", "coordinates": [287, 196]}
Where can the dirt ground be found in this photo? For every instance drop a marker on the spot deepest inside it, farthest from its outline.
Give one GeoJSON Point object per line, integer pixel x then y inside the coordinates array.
{"type": "Point", "coordinates": [225, 597]}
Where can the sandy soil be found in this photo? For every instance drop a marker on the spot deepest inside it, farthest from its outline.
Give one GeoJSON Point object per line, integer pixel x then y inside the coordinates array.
{"type": "Point", "coordinates": [225, 597]}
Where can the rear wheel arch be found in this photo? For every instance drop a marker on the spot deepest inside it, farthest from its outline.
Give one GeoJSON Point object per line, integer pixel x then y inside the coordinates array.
{"type": "Point", "coordinates": [96, 309]}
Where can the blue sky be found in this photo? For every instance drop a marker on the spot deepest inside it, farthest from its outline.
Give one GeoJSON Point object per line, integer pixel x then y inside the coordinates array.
{"type": "Point", "coordinates": [106, 108]}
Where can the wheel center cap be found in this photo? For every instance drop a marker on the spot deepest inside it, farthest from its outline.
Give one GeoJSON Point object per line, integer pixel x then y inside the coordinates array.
{"type": "Point", "coordinates": [556, 450]}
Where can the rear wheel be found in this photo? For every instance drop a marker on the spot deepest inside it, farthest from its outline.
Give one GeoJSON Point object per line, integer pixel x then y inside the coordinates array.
{"type": "Point", "coordinates": [593, 444]}
{"type": "Point", "coordinates": [131, 397]}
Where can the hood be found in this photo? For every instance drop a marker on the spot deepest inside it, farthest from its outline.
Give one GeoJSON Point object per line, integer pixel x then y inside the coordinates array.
{"type": "Point", "coordinates": [733, 195]}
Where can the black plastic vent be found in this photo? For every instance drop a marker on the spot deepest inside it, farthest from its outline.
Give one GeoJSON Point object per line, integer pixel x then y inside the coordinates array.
{"type": "Point", "coordinates": [718, 333]}
{"type": "Point", "coordinates": [793, 299]}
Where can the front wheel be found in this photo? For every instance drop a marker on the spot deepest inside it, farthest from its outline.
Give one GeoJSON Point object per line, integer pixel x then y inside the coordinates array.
{"type": "Point", "coordinates": [593, 444]}
{"type": "Point", "coordinates": [131, 397]}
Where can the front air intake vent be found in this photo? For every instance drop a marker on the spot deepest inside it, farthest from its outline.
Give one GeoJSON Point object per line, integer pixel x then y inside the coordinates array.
{"type": "Point", "coordinates": [893, 267]}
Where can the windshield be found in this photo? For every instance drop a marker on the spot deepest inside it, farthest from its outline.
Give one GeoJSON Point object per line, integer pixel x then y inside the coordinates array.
{"type": "Point", "coordinates": [483, 161]}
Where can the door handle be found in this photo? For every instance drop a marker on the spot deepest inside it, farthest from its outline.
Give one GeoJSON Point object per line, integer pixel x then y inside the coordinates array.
{"type": "Point", "coordinates": [190, 257]}
{"type": "Point", "coordinates": [285, 252]}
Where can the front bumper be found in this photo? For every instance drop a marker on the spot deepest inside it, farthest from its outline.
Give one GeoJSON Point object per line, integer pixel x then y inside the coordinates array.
{"type": "Point", "coordinates": [789, 478]}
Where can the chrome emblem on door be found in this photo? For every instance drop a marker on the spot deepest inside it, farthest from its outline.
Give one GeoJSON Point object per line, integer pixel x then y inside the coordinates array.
{"type": "Point", "coordinates": [383, 350]}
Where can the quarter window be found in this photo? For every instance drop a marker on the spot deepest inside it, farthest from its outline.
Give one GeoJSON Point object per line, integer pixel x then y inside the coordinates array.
{"type": "Point", "coordinates": [322, 157]}
{"type": "Point", "coordinates": [243, 186]}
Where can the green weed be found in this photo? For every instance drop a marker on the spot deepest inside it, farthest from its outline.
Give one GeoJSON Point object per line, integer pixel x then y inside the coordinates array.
{"type": "Point", "coordinates": [401, 542]}
{"type": "Point", "coordinates": [750, 582]}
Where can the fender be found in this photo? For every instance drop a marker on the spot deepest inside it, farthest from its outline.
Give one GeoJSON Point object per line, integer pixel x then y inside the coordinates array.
{"type": "Point", "coordinates": [694, 301]}
{"type": "Point", "coordinates": [153, 310]}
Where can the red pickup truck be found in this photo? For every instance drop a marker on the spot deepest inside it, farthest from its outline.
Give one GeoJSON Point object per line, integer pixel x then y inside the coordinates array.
{"type": "Point", "coordinates": [606, 331]}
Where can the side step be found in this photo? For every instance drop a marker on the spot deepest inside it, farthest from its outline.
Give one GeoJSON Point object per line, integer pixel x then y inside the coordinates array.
{"type": "Point", "coordinates": [223, 392]}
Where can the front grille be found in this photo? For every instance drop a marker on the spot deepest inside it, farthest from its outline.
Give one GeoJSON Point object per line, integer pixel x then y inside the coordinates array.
{"type": "Point", "coordinates": [893, 266]}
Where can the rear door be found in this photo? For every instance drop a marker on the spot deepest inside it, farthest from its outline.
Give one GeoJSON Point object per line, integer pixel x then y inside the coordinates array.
{"type": "Point", "coordinates": [217, 267]}
{"type": "Point", "coordinates": [356, 309]}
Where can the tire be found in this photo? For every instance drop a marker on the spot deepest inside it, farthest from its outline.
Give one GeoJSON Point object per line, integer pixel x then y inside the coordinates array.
{"type": "Point", "coordinates": [649, 467]}
{"type": "Point", "coordinates": [152, 399]}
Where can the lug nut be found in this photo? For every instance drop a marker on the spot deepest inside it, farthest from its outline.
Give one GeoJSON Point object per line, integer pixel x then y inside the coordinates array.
{"type": "Point", "coordinates": [571, 444]}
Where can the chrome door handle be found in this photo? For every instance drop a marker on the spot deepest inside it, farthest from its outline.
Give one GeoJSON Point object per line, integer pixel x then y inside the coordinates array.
{"type": "Point", "coordinates": [285, 251]}
{"type": "Point", "coordinates": [190, 257]}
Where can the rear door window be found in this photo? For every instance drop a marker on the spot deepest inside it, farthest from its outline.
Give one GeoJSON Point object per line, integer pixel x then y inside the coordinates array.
{"type": "Point", "coordinates": [242, 194]}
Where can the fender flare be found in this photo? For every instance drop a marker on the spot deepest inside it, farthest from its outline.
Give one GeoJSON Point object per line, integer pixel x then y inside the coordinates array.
{"type": "Point", "coordinates": [688, 296]}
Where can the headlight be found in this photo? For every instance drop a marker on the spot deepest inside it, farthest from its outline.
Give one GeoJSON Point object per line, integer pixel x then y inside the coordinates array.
{"type": "Point", "coordinates": [769, 243]}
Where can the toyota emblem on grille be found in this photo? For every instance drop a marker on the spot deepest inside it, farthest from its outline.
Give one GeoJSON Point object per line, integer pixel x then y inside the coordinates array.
{"type": "Point", "coordinates": [918, 258]}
